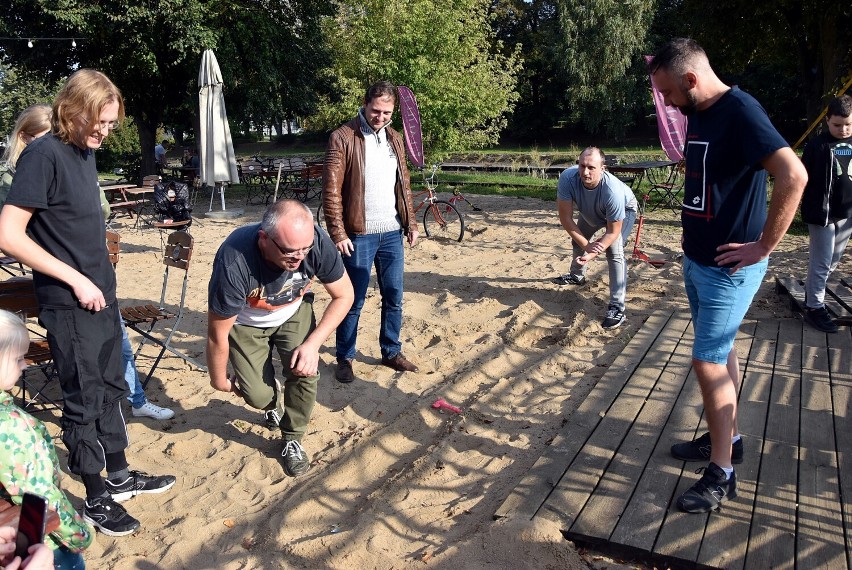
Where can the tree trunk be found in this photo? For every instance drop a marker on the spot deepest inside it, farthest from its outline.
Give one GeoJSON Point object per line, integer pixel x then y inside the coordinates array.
{"type": "Point", "coordinates": [147, 136]}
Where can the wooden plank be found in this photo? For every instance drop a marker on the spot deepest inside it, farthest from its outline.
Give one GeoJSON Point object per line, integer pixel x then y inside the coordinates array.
{"type": "Point", "coordinates": [684, 534]}
{"type": "Point", "coordinates": [840, 370]}
{"type": "Point", "coordinates": [772, 538]}
{"type": "Point", "coordinates": [820, 542]}
{"type": "Point", "coordinates": [644, 514]}
{"type": "Point", "coordinates": [794, 289]}
{"type": "Point", "coordinates": [840, 296]}
{"type": "Point", "coordinates": [838, 299]}
{"type": "Point", "coordinates": [616, 486]}
{"type": "Point", "coordinates": [528, 496]}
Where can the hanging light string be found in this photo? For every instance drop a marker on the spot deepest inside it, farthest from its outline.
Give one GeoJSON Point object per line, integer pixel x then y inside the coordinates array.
{"type": "Point", "coordinates": [30, 40]}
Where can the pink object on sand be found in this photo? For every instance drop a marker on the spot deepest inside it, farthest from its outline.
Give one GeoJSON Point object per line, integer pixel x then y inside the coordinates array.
{"type": "Point", "coordinates": [441, 404]}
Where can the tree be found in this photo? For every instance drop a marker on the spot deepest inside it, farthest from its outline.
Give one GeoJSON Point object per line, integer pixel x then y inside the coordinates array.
{"type": "Point", "coordinates": [18, 90]}
{"type": "Point", "coordinates": [444, 50]}
{"type": "Point", "coordinates": [792, 55]}
{"type": "Point", "coordinates": [601, 50]}
{"type": "Point", "coordinates": [152, 51]}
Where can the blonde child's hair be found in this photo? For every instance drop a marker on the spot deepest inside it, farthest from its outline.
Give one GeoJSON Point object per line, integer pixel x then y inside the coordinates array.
{"type": "Point", "coordinates": [13, 338]}
{"type": "Point", "coordinates": [32, 121]}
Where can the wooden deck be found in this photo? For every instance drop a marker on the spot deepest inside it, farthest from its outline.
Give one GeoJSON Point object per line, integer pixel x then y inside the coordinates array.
{"type": "Point", "coordinates": [609, 480]}
{"type": "Point", "coordinates": [838, 296]}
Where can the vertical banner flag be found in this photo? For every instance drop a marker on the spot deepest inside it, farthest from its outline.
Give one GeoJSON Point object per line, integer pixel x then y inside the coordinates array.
{"type": "Point", "coordinates": [411, 125]}
{"type": "Point", "coordinates": [671, 124]}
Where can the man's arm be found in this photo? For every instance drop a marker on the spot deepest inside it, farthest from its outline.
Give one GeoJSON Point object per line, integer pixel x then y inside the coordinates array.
{"type": "Point", "coordinates": [218, 328]}
{"type": "Point", "coordinates": [566, 218]}
{"type": "Point", "coordinates": [790, 179]}
{"type": "Point", "coordinates": [305, 360]}
{"type": "Point", "coordinates": [15, 242]}
{"type": "Point", "coordinates": [334, 169]}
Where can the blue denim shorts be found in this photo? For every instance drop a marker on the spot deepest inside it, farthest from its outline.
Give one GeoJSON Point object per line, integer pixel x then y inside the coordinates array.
{"type": "Point", "coordinates": [719, 301]}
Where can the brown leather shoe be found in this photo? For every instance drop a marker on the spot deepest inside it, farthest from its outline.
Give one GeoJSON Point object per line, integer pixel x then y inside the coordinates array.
{"type": "Point", "coordinates": [399, 363]}
{"type": "Point", "coordinates": [344, 372]}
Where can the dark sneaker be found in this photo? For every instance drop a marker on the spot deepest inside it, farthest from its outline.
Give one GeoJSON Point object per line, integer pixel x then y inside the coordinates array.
{"type": "Point", "coordinates": [344, 372]}
{"type": "Point", "coordinates": [709, 492]}
{"type": "Point", "coordinates": [614, 318]}
{"type": "Point", "coordinates": [138, 483]}
{"type": "Point", "coordinates": [399, 363]}
{"type": "Point", "coordinates": [109, 517]}
{"type": "Point", "coordinates": [271, 419]}
{"type": "Point", "coordinates": [820, 320]}
{"type": "Point", "coordinates": [699, 450]}
{"type": "Point", "coordinates": [296, 461]}
{"type": "Point", "coordinates": [569, 279]}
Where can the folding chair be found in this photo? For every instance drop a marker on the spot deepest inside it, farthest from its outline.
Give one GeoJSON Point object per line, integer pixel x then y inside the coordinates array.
{"type": "Point", "coordinates": [11, 265]}
{"type": "Point", "coordinates": [17, 295]}
{"type": "Point", "coordinates": [310, 185]}
{"type": "Point", "coordinates": [668, 191]}
{"type": "Point", "coordinates": [143, 318]}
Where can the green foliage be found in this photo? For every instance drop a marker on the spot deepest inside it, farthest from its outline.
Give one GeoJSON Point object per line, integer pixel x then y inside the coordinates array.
{"type": "Point", "coordinates": [18, 90]}
{"type": "Point", "coordinates": [121, 144]}
{"type": "Point", "coordinates": [442, 49]}
{"type": "Point", "coordinates": [601, 49]}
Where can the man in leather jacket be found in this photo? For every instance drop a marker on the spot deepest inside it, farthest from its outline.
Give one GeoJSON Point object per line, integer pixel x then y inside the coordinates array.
{"type": "Point", "coordinates": [368, 210]}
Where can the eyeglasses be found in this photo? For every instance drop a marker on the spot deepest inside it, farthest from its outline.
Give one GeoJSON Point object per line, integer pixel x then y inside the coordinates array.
{"type": "Point", "coordinates": [290, 253]}
{"type": "Point", "coordinates": [108, 125]}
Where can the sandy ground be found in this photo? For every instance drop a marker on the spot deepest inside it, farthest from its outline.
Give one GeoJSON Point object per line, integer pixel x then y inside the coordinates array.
{"type": "Point", "coordinates": [394, 483]}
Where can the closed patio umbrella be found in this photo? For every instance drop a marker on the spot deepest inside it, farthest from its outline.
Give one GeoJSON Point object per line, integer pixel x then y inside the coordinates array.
{"type": "Point", "coordinates": [218, 163]}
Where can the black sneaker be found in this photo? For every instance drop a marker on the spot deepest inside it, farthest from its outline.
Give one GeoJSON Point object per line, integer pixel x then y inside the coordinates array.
{"type": "Point", "coordinates": [569, 279]}
{"type": "Point", "coordinates": [614, 318]}
{"type": "Point", "coordinates": [709, 492]}
{"type": "Point", "coordinates": [271, 419]}
{"type": "Point", "coordinates": [296, 461]}
{"type": "Point", "coordinates": [138, 483]}
{"type": "Point", "coordinates": [699, 450]}
{"type": "Point", "coordinates": [344, 373]}
{"type": "Point", "coordinates": [820, 320]}
{"type": "Point", "coordinates": [109, 517]}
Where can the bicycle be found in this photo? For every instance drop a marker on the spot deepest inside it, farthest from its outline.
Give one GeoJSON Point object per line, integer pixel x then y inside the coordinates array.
{"type": "Point", "coordinates": [441, 219]}
{"type": "Point", "coordinates": [432, 181]}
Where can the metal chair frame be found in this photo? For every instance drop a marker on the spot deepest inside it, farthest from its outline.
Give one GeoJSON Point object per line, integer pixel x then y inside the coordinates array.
{"type": "Point", "coordinates": [144, 318]}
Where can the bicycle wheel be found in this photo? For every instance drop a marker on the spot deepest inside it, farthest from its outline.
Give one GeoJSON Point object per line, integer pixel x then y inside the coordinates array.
{"type": "Point", "coordinates": [442, 221]}
{"type": "Point", "coordinates": [321, 217]}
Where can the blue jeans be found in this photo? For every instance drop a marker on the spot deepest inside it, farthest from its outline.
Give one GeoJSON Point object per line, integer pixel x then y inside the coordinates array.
{"type": "Point", "coordinates": [386, 252]}
{"type": "Point", "coordinates": [827, 245]}
{"type": "Point", "coordinates": [627, 225]}
{"type": "Point", "coordinates": [719, 301]}
{"type": "Point", "coordinates": [131, 375]}
{"type": "Point", "coordinates": [616, 264]}
{"type": "Point", "coordinates": [64, 559]}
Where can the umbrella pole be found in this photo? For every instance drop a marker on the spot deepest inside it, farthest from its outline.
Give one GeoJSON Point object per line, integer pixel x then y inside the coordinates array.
{"type": "Point", "coordinates": [222, 195]}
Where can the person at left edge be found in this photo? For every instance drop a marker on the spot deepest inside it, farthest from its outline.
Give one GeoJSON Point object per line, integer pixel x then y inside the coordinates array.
{"type": "Point", "coordinates": [52, 222]}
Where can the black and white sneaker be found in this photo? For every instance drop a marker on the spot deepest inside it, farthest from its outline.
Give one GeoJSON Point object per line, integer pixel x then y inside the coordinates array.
{"type": "Point", "coordinates": [109, 517]}
{"type": "Point", "coordinates": [272, 419]}
{"type": "Point", "coordinates": [138, 483]}
{"type": "Point", "coordinates": [699, 449]}
{"type": "Point", "coordinates": [709, 492]}
{"type": "Point", "coordinates": [614, 318]}
{"type": "Point", "coordinates": [569, 279]}
{"type": "Point", "coordinates": [296, 461]}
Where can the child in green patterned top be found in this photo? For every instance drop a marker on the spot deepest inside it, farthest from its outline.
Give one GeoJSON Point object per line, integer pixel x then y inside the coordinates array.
{"type": "Point", "coordinates": [28, 460]}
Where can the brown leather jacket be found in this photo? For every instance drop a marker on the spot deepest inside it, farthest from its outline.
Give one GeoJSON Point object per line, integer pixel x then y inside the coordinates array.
{"type": "Point", "coordinates": [343, 182]}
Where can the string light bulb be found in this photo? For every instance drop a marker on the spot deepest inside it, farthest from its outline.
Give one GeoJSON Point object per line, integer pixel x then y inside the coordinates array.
{"type": "Point", "coordinates": [29, 43]}
{"type": "Point", "coordinates": [73, 43]}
